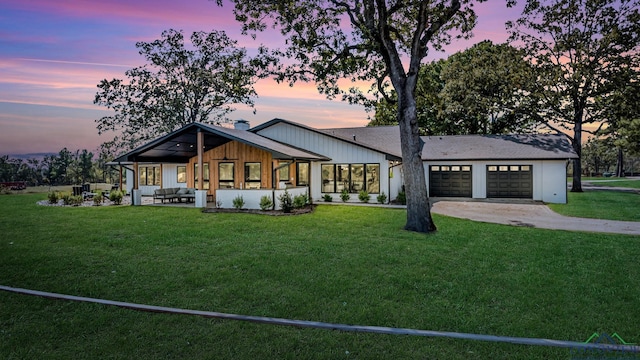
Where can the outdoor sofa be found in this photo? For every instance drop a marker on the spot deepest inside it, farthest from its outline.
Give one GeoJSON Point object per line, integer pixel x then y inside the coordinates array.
{"type": "Point", "coordinates": [172, 194]}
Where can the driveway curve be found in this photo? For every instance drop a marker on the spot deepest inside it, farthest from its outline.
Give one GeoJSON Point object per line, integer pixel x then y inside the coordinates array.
{"type": "Point", "coordinates": [530, 215]}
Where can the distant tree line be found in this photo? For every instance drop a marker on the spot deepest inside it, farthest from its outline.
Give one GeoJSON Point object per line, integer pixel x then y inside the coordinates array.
{"type": "Point", "coordinates": [63, 168]}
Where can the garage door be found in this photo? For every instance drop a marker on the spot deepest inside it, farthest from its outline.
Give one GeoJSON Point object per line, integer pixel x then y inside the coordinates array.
{"type": "Point", "coordinates": [509, 181]}
{"type": "Point", "coordinates": [450, 181]}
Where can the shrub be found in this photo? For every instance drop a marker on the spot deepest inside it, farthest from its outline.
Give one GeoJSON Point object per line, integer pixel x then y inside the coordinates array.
{"type": "Point", "coordinates": [402, 198]}
{"type": "Point", "coordinates": [97, 198]}
{"type": "Point", "coordinates": [364, 196]}
{"type": "Point", "coordinates": [344, 195]}
{"type": "Point", "coordinates": [116, 197]}
{"type": "Point", "coordinates": [76, 200]}
{"type": "Point", "coordinates": [327, 198]}
{"type": "Point", "coordinates": [382, 198]}
{"type": "Point", "coordinates": [66, 198]}
{"type": "Point", "coordinates": [299, 201]}
{"type": "Point", "coordinates": [286, 202]}
{"type": "Point", "coordinates": [238, 202]}
{"type": "Point", "coordinates": [266, 203]}
{"type": "Point", "coordinates": [53, 197]}
{"type": "Point", "coordinates": [5, 190]}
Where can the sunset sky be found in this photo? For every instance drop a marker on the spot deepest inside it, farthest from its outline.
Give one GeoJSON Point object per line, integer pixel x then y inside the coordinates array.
{"type": "Point", "coordinates": [54, 53]}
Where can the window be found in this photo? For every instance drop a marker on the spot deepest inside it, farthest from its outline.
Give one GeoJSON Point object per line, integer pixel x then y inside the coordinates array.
{"type": "Point", "coordinates": [205, 176]}
{"type": "Point", "coordinates": [283, 173]}
{"type": "Point", "coordinates": [149, 175]}
{"type": "Point", "coordinates": [493, 168]}
{"type": "Point", "coordinates": [503, 168]}
{"type": "Point", "coordinates": [373, 178]}
{"type": "Point", "coordinates": [466, 168]}
{"type": "Point", "coordinates": [252, 175]}
{"type": "Point", "coordinates": [225, 176]}
{"type": "Point", "coordinates": [302, 174]}
{"type": "Point", "coordinates": [182, 174]}
{"type": "Point", "coordinates": [352, 177]}
{"type": "Point", "coordinates": [435, 168]}
{"type": "Point", "coordinates": [525, 168]}
{"type": "Point", "coordinates": [455, 168]}
{"type": "Point", "coordinates": [514, 168]}
{"type": "Point", "coordinates": [328, 178]}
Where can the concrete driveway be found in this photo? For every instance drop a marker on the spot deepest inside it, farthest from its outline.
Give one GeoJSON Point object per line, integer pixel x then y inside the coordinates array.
{"type": "Point", "coordinates": [532, 215]}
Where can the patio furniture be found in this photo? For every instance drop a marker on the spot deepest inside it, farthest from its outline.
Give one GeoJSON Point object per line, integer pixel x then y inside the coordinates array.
{"type": "Point", "coordinates": [171, 194]}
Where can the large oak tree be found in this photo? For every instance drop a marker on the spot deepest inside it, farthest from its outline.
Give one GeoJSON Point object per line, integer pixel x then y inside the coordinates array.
{"type": "Point", "coordinates": [372, 41]}
{"type": "Point", "coordinates": [181, 83]}
{"type": "Point", "coordinates": [580, 50]}
{"type": "Point", "coordinates": [475, 91]}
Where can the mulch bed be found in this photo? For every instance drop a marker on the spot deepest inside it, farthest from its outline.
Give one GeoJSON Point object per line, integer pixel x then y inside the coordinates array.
{"type": "Point", "coordinates": [305, 210]}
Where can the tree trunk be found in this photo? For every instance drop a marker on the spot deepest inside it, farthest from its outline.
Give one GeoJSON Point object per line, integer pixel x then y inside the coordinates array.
{"type": "Point", "coordinates": [577, 147]}
{"type": "Point", "coordinates": [418, 207]}
{"type": "Point", "coordinates": [620, 165]}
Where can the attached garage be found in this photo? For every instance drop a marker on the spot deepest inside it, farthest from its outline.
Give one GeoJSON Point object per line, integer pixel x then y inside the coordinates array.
{"type": "Point", "coordinates": [450, 181]}
{"type": "Point", "coordinates": [510, 181]}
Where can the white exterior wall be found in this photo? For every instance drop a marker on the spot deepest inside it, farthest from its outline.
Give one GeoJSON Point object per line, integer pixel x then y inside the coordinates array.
{"type": "Point", "coordinates": [340, 152]}
{"type": "Point", "coordinates": [252, 197]}
{"type": "Point", "coordinates": [549, 177]}
{"type": "Point", "coordinates": [170, 176]}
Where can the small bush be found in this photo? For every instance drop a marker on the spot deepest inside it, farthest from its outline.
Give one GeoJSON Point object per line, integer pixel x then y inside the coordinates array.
{"type": "Point", "coordinates": [327, 198]}
{"type": "Point", "coordinates": [76, 200]}
{"type": "Point", "coordinates": [364, 196]}
{"type": "Point", "coordinates": [53, 197]}
{"type": "Point", "coordinates": [97, 198]}
{"type": "Point", "coordinates": [299, 201]}
{"type": "Point", "coordinates": [402, 198]}
{"type": "Point", "coordinates": [286, 202]}
{"type": "Point", "coordinates": [66, 198]}
{"type": "Point", "coordinates": [238, 202]}
{"type": "Point", "coordinates": [266, 203]}
{"type": "Point", "coordinates": [344, 195]}
{"type": "Point", "coordinates": [382, 198]}
{"type": "Point", "coordinates": [5, 190]}
{"type": "Point", "coordinates": [116, 197]}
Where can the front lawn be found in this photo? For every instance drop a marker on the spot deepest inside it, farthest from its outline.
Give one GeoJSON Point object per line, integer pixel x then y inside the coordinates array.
{"type": "Point", "coordinates": [340, 264]}
{"type": "Point", "coordinates": [601, 204]}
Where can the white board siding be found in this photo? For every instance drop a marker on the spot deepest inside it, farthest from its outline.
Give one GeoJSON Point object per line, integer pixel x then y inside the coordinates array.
{"type": "Point", "coordinates": [340, 152]}
{"type": "Point", "coordinates": [170, 176]}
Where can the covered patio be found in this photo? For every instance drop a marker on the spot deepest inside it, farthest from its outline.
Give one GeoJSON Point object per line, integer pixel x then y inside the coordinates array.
{"type": "Point", "coordinates": [219, 163]}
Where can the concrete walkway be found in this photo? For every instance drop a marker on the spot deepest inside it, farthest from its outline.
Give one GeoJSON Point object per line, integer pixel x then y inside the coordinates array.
{"type": "Point", "coordinates": [531, 215]}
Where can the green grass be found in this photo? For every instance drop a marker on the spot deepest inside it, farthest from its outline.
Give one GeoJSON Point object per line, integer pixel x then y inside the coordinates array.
{"type": "Point", "coordinates": [340, 264]}
{"type": "Point", "coordinates": [598, 204]}
{"type": "Point", "coordinates": [635, 184]}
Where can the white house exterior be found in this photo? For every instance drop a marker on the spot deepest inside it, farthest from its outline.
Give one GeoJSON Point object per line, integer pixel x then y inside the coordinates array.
{"type": "Point", "coordinates": [325, 162]}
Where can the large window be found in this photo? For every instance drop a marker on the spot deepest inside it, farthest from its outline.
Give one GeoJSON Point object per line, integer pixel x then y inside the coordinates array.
{"type": "Point", "coordinates": [302, 174]}
{"type": "Point", "coordinates": [252, 175]}
{"type": "Point", "coordinates": [182, 174]}
{"type": "Point", "coordinates": [352, 177]}
{"type": "Point", "coordinates": [149, 175]}
{"type": "Point", "coordinates": [205, 175]}
{"type": "Point", "coordinates": [225, 176]}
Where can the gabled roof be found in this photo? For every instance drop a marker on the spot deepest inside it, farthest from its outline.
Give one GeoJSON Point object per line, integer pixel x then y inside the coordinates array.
{"type": "Point", "coordinates": [498, 147]}
{"type": "Point", "coordinates": [386, 139]}
{"type": "Point", "coordinates": [380, 139]}
{"type": "Point", "coordinates": [180, 145]}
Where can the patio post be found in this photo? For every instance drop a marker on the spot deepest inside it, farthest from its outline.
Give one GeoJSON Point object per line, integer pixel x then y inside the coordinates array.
{"type": "Point", "coordinates": [199, 145]}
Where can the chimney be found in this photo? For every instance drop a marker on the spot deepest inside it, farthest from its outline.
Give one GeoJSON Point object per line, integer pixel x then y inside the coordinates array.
{"type": "Point", "coordinates": [241, 124]}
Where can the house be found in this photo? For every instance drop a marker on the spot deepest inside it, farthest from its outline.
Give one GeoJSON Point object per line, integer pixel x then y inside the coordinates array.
{"type": "Point", "coordinates": [279, 154]}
